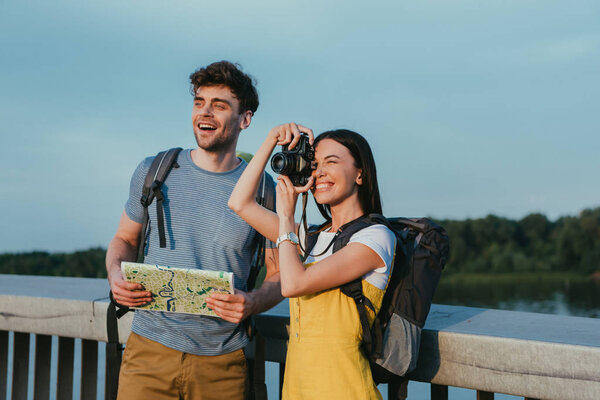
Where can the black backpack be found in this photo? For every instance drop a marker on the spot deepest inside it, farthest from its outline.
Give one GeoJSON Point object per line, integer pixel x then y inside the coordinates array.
{"type": "Point", "coordinates": [392, 343]}
{"type": "Point", "coordinates": [162, 164]}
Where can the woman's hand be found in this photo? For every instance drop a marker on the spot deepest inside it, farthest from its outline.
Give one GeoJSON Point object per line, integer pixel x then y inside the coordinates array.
{"type": "Point", "coordinates": [287, 195]}
{"type": "Point", "coordinates": [290, 134]}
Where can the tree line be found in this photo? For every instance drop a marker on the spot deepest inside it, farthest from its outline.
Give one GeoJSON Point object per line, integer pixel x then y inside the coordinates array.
{"type": "Point", "coordinates": [484, 245]}
{"type": "Point", "coordinates": [532, 244]}
{"type": "Point", "coordinates": [86, 263]}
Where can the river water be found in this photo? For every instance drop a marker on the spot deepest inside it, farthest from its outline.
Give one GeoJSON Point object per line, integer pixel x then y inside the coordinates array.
{"type": "Point", "coordinates": [581, 299]}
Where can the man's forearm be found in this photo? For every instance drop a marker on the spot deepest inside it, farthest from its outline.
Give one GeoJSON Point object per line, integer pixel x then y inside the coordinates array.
{"type": "Point", "coordinates": [268, 295]}
{"type": "Point", "coordinates": [124, 293]}
{"type": "Point", "coordinates": [118, 250]}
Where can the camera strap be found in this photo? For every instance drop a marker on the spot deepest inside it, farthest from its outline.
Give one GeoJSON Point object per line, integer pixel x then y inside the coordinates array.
{"type": "Point", "coordinates": [304, 223]}
{"type": "Point", "coordinates": [308, 245]}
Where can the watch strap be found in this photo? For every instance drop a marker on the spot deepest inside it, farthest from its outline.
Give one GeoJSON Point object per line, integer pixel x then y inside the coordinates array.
{"type": "Point", "coordinates": [291, 236]}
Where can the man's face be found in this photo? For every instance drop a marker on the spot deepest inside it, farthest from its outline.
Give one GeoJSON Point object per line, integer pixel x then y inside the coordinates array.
{"type": "Point", "coordinates": [217, 119]}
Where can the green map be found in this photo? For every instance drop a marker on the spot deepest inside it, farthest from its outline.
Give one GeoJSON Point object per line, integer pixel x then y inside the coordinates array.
{"type": "Point", "coordinates": [181, 290]}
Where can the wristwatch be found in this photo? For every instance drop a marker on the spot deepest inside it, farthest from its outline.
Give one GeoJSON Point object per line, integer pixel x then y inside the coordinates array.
{"type": "Point", "coordinates": [291, 236]}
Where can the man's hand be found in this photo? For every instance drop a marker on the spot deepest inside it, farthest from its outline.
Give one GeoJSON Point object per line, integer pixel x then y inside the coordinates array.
{"type": "Point", "coordinates": [128, 293]}
{"type": "Point", "coordinates": [123, 247]}
{"type": "Point", "coordinates": [232, 307]}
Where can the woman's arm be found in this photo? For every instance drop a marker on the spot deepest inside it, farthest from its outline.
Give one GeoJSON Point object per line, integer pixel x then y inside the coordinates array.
{"type": "Point", "coordinates": [345, 265]}
{"type": "Point", "coordinates": [243, 197]}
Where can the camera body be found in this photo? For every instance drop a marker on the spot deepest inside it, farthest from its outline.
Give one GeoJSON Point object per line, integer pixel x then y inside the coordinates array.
{"type": "Point", "coordinates": [297, 163]}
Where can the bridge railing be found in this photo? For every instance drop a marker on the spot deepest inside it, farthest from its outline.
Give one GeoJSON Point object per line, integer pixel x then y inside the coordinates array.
{"type": "Point", "coordinates": [45, 321]}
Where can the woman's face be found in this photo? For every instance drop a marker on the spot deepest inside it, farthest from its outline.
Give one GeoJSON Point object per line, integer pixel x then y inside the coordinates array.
{"type": "Point", "coordinates": [336, 176]}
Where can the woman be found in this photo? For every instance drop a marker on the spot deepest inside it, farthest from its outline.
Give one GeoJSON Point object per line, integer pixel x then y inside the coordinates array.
{"type": "Point", "coordinates": [324, 360]}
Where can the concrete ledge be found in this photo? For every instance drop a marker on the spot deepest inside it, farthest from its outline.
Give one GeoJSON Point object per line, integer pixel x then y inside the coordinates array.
{"type": "Point", "coordinates": [512, 366]}
{"type": "Point", "coordinates": [525, 354]}
{"type": "Point", "coordinates": [69, 307]}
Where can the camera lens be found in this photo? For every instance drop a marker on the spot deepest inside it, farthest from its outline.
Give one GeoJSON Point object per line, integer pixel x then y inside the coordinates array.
{"type": "Point", "coordinates": [279, 163]}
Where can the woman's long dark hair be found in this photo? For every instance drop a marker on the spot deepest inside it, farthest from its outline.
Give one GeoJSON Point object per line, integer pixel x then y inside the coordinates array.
{"type": "Point", "coordinates": [368, 192]}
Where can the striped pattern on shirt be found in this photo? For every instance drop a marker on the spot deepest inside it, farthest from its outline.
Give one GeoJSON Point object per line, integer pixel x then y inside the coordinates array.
{"type": "Point", "coordinates": [201, 232]}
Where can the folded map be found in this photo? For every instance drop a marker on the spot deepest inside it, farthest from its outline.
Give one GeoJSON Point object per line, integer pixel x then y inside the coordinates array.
{"type": "Point", "coordinates": [182, 290]}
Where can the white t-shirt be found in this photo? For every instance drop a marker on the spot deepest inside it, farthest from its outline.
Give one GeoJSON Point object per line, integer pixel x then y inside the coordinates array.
{"type": "Point", "coordinates": [377, 237]}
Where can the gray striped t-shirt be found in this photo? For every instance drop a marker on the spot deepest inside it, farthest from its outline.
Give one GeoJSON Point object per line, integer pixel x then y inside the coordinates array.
{"type": "Point", "coordinates": [201, 232]}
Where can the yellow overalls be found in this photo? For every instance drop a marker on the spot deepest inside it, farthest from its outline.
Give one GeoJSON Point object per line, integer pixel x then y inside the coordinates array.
{"type": "Point", "coordinates": [324, 360]}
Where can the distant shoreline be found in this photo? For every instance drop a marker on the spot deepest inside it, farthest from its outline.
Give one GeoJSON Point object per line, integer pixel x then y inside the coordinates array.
{"type": "Point", "coordinates": [546, 277]}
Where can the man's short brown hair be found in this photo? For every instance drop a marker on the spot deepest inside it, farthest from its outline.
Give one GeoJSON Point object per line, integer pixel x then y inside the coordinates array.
{"type": "Point", "coordinates": [230, 75]}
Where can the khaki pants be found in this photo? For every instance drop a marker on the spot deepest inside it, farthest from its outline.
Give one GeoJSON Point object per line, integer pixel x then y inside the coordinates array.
{"type": "Point", "coordinates": [152, 371]}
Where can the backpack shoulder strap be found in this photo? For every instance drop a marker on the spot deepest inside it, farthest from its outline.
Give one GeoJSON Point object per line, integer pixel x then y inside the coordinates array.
{"type": "Point", "coordinates": [256, 367]}
{"type": "Point", "coordinates": [114, 350]}
{"type": "Point", "coordinates": [266, 198]}
{"type": "Point", "coordinates": [353, 289]}
{"type": "Point", "coordinates": [266, 192]}
{"type": "Point", "coordinates": [347, 230]}
{"type": "Point", "coordinates": [159, 169]}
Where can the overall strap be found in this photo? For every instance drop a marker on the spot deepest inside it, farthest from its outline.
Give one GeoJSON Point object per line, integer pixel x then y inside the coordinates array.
{"type": "Point", "coordinates": [353, 289]}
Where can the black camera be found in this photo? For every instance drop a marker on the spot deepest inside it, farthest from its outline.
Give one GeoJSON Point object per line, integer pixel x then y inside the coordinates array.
{"type": "Point", "coordinates": [297, 163]}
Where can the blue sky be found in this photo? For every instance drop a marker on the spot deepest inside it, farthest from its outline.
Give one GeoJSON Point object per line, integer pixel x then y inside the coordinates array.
{"type": "Point", "coordinates": [471, 107]}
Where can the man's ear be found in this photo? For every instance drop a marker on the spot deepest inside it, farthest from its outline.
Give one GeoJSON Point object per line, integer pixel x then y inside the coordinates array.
{"type": "Point", "coordinates": [245, 119]}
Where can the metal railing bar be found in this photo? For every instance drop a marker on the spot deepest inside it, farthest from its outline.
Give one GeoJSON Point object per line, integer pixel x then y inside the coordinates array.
{"type": "Point", "coordinates": [3, 363]}
{"type": "Point", "coordinates": [64, 384]}
{"type": "Point", "coordinates": [281, 373]}
{"type": "Point", "coordinates": [20, 365]}
{"type": "Point", "coordinates": [89, 368]}
{"type": "Point", "coordinates": [107, 375]}
{"type": "Point", "coordinates": [41, 371]}
{"type": "Point", "coordinates": [482, 395]}
{"type": "Point", "coordinates": [397, 389]}
{"type": "Point", "coordinates": [439, 392]}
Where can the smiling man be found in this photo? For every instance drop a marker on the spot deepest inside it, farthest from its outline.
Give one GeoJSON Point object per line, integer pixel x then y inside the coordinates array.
{"type": "Point", "coordinates": [183, 356]}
